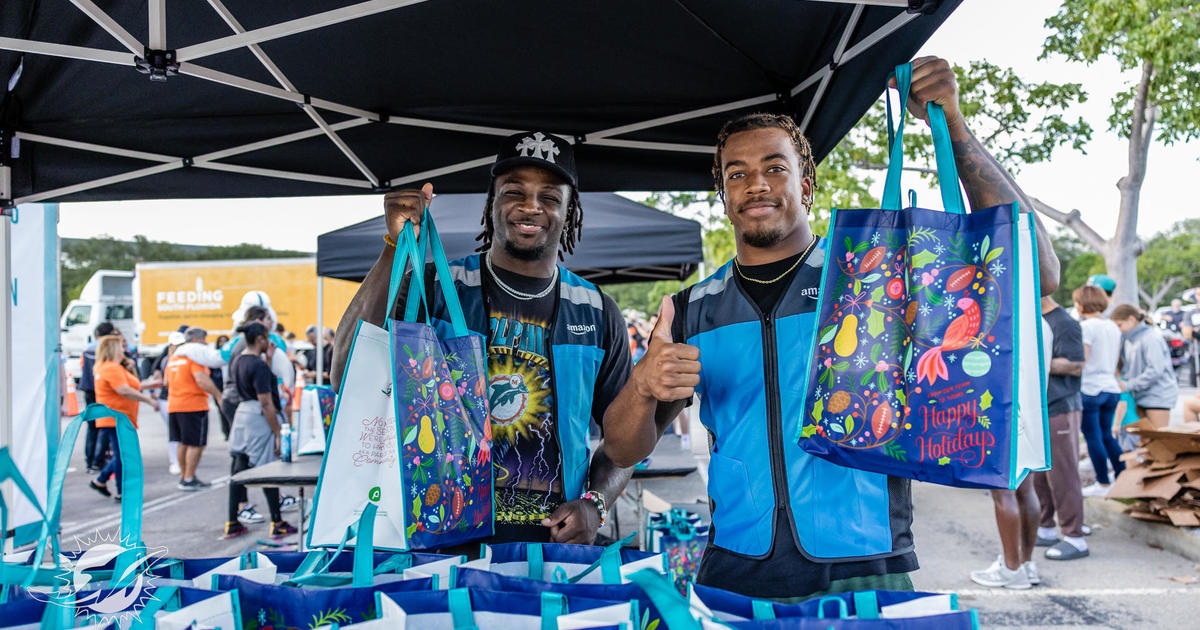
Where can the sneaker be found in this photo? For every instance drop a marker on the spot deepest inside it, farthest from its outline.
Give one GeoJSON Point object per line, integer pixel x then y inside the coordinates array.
{"type": "Point", "coordinates": [174, 469]}
{"type": "Point", "coordinates": [288, 503]}
{"type": "Point", "coordinates": [249, 516]}
{"type": "Point", "coordinates": [1095, 490]}
{"type": "Point", "coordinates": [999, 575]}
{"type": "Point", "coordinates": [192, 485]}
{"type": "Point", "coordinates": [279, 529]}
{"type": "Point", "coordinates": [1031, 570]}
{"type": "Point", "coordinates": [233, 529]}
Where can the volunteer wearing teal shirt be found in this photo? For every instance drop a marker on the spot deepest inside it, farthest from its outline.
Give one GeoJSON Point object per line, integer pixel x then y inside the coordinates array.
{"type": "Point", "coordinates": [786, 525]}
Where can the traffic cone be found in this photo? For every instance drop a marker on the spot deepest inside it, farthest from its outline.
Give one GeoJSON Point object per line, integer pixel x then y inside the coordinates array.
{"type": "Point", "coordinates": [72, 398]}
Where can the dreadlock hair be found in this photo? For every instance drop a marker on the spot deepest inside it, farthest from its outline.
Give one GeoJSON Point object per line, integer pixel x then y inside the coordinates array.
{"type": "Point", "coordinates": [763, 120]}
{"type": "Point", "coordinates": [572, 226]}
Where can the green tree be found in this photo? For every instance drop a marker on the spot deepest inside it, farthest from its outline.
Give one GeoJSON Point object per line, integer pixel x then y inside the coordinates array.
{"type": "Point", "coordinates": [1170, 263]}
{"type": "Point", "coordinates": [1160, 40]}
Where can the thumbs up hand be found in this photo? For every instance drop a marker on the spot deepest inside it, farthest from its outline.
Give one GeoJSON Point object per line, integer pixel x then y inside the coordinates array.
{"type": "Point", "coordinates": [668, 371]}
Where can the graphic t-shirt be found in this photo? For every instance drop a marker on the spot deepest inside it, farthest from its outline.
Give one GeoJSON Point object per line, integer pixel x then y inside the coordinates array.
{"type": "Point", "coordinates": [525, 452]}
{"type": "Point", "coordinates": [525, 449]}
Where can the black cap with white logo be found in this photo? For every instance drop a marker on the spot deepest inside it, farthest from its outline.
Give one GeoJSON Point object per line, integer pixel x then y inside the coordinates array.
{"type": "Point", "coordinates": [537, 148]}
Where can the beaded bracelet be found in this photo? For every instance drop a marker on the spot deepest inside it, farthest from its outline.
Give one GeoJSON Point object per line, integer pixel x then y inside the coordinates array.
{"type": "Point", "coordinates": [597, 499]}
{"type": "Point", "coordinates": [388, 239]}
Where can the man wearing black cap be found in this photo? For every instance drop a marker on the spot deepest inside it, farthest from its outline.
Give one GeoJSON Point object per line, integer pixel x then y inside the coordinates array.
{"type": "Point", "coordinates": [557, 351]}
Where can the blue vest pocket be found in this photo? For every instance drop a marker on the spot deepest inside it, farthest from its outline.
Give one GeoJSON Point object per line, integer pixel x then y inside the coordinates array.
{"type": "Point", "coordinates": [741, 508]}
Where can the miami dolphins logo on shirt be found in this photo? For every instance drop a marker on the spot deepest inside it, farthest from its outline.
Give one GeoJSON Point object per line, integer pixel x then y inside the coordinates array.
{"type": "Point", "coordinates": [516, 397]}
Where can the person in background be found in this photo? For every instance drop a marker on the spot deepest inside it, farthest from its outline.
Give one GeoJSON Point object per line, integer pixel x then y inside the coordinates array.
{"type": "Point", "coordinates": [1174, 317]}
{"type": "Point", "coordinates": [187, 408]}
{"type": "Point", "coordinates": [1058, 489]}
{"type": "Point", "coordinates": [254, 438]}
{"type": "Point", "coordinates": [1100, 389]}
{"type": "Point", "coordinates": [118, 388]}
{"type": "Point", "coordinates": [221, 341]}
{"type": "Point", "coordinates": [310, 364]}
{"type": "Point", "coordinates": [87, 384]}
{"type": "Point", "coordinates": [290, 339]}
{"type": "Point", "coordinates": [1147, 372]}
{"type": "Point", "coordinates": [1191, 409]}
{"type": "Point", "coordinates": [1016, 513]}
{"type": "Point", "coordinates": [174, 340]}
{"type": "Point", "coordinates": [256, 307]}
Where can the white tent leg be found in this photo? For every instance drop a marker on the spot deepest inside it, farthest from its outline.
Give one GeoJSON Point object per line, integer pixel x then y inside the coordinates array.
{"type": "Point", "coordinates": [320, 329]}
{"type": "Point", "coordinates": [8, 490]}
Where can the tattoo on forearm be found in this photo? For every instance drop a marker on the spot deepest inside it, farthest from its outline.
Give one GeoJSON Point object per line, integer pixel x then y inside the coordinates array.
{"type": "Point", "coordinates": [983, 178]}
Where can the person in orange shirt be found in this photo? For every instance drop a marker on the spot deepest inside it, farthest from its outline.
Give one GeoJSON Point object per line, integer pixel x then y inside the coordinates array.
{"type": "Point", "coordinates": [188, 389]}
{"type": "Point", "coordinates": [119, 389]}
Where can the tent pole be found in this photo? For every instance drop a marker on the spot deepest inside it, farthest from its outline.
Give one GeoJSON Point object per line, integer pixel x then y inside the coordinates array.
{"type": "Point", "coordinates": [158, 24]}
{"type": "Point", "coordinates": [320, 329]}
{"type": "Point", "coordinates": [6, 396]}
{"type": "Point", "coordinates": [291, 27]}
{"type": "Point", "coordinates": [110, 25]}
{"type": "Point", "coordinates": [64, 50]}
{"type": "Point", "coordinates": [851, 24]}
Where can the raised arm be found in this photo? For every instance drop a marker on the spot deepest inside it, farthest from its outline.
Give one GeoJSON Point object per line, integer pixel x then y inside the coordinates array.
{"type": "Point", "coordinates": [370, 301]}
{"type": "Point", "coordinates": [987, 182]}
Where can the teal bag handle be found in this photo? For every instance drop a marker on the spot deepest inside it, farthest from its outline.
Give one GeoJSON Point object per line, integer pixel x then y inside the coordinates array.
{"type": "Point", "coordinates": [674, 609]}
{"type": "Point", "coordinates": [404, 251]}
{"type": "Point", "coordinates": [553, 605]}
{"type": "Point", "coordinates": [609, 564]}
{"type": "Point", "coordinates": [364, 547]}
{"type": "Point", "coordinates": [33, 573]}
{"type": "Point", "coordinates": [762, 609]}
{"type": "Point", "coordinates": [315, 566]}
{"type": "Point", "coordinates": [131, 483]}
{"type": "Point", "coordinates": [866, 605]}
{"type": "Point", "coordinates": [416, 290]}
{"type": "Point", "coordinates": [942, 150]}
{"type": "Point", "coordinates": [843, 611]}
{"type": "Point", "coordinates": [461, 614]}
{"type": "Point", "coordinates": [535, 561]}
{"type": "Point", "coordinates": [429, 234]}
{"type": "Point", "coordinates": [1130, 409]}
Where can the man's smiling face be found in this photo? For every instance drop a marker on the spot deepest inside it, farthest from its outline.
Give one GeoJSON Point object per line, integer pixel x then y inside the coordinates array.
{"type": "Point", "coordinates": [765, 186]}
{"type": "Point", "coordinates": [528, 212]}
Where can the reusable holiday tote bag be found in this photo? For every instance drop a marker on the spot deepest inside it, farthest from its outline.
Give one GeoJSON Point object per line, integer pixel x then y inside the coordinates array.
{"type": "Point", "coordinates": [474, 609]}
{"type": "Point", "coordinates": [316, 415]}
{"type": "Point", "coordinates": [679, 534]}
{"type": "Point", "coordinates": [576, 564]}
{"type": "Point", "coordinates": [926, 321]}
{"type": "Point", "coordinates": [410, 424]}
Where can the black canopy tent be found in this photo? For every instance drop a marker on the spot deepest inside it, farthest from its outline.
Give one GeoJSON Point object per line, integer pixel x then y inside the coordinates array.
{"type": "Point", "coordinates": [320, 97]}
{"type": "Point", "coordinates": [623, 241]}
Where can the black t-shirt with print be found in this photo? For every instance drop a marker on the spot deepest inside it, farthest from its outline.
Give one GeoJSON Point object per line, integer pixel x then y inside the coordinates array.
{"type": "Point", "coordinates": [785, 572]}
{"type": "Point", "coordinates": [525, 449]}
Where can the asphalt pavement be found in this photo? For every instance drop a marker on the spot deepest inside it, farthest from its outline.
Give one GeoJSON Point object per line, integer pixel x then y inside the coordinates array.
{"type": "Point", "coordinates": [1125, 583]}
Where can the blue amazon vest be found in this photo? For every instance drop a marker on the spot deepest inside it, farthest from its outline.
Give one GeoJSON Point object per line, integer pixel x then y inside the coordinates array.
{"type": "Point", "coordinates": [752, 400]}
{"type": "Point", "coordinates": [576, 350]}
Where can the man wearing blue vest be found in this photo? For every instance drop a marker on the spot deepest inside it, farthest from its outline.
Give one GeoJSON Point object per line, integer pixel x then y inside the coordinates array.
{"type": "Point", "coordinates": [557, 347]}
{"type": "Point", "coordinates": [786, 525]}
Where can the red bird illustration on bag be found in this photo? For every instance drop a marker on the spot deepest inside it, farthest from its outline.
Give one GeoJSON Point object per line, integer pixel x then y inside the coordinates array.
{"type": "Point", "coordinates": [931, 365]}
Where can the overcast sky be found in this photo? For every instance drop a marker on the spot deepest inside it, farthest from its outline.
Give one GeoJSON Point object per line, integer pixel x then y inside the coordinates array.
{"type": "Point", "coordinates": [1004, 32]}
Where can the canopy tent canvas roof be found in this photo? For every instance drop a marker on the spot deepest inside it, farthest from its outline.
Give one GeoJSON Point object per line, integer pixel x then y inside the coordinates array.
{"type": "Point", "coordinates": [322, 97]}
{"type": "Point", "coordinates": [622, 241]}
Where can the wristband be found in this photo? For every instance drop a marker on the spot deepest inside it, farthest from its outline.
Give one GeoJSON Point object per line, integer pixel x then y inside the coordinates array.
{"type": "Point", "coordinates": [597, 499]}
{"type": "Point", "coordinates": [388, 239]}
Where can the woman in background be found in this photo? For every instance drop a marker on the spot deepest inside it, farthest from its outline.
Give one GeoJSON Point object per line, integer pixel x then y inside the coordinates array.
{"type": "Point", "coordinates": [118, 388]}
{"type": "Point", "coordinates": [1147, 372]}
{"type": "Point", "coordinates": [1099, 387]}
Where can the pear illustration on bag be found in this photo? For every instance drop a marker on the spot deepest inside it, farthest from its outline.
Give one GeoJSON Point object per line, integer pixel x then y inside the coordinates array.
{"type": "Point", "coordinates": [425, 436]}
{"type": "Point", "coordinates": [846, 341]}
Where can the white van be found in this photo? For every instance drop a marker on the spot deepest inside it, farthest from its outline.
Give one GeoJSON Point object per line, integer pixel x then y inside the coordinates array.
{"type": "Point", "coordinates": [107, 296]}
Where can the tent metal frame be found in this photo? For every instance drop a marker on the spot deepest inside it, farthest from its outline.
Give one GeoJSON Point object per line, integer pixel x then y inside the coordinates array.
{"type": "Point", "coordinates": [154, 58]}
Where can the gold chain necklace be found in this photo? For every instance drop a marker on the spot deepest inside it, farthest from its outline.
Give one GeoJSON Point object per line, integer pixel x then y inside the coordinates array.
{"type": "Point", "coordinates": [803, 256]}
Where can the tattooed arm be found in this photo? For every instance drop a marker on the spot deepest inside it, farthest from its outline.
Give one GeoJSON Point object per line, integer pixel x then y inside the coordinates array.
{"type": "Point", "coordinates": [987, 182]}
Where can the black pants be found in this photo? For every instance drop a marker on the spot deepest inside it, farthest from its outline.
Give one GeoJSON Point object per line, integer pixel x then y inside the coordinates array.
{"type": "Point", "coordinates": [237, 492]}
{"type": "Point", "coordinates": [89, 438]}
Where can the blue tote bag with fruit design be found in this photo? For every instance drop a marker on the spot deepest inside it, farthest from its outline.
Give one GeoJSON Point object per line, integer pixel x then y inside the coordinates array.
{"type": "Point", "coordinates": [927, 347]}
{"type": "Point", "coordinates": [410, 431]}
